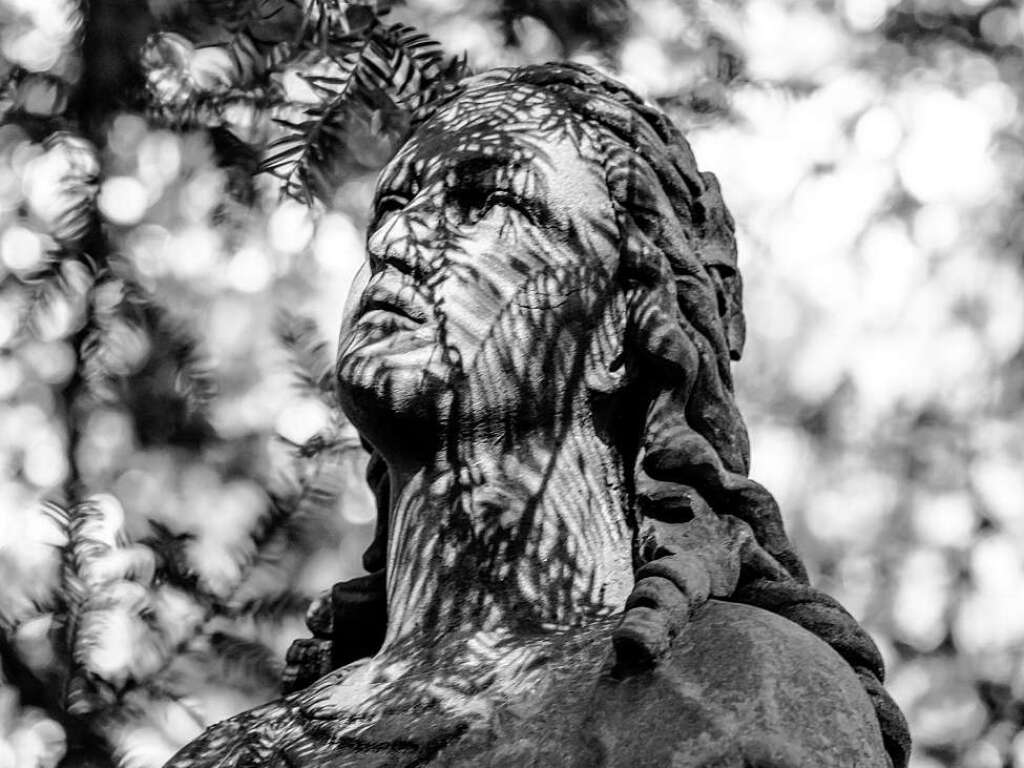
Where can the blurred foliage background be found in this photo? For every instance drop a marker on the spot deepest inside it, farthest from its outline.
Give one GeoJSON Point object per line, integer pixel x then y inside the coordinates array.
{"type": "Point", "coordinates": [175, 480]}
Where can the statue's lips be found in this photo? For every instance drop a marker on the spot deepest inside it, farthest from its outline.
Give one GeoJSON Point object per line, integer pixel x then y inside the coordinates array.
{"type": "Point", "coordinates": [383, 299]}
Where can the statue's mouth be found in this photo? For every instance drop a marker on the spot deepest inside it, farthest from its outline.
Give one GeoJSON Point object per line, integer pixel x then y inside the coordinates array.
{"type": "Point", "coordinates": [401, 301]}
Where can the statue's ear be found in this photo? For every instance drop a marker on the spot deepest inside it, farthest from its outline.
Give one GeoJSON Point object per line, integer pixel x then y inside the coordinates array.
{"type": "Point", "coordinates": [640, 325]}
{"type": "Point", "coordinates": [606, 370]}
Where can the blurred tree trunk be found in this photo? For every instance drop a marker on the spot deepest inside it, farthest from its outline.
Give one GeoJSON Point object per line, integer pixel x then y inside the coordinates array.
{"type": "Point", "coordinates": [109, 79]}
{"type": "Point", "coordinates": [113, 32]}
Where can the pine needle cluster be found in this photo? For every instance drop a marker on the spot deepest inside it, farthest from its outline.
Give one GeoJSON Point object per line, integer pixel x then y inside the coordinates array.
{"type": "Point", "coordinates": [317, 72]}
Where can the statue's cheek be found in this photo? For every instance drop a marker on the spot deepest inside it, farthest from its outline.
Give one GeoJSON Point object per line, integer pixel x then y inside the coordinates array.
{"type": "Point", "coordinates": [573, 288]}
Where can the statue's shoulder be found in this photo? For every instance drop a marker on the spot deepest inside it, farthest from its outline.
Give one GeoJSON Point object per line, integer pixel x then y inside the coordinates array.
{"type": "Point", "coordinates": [748, 688]}
{"type": "Point", "coordinates": [742, 687]}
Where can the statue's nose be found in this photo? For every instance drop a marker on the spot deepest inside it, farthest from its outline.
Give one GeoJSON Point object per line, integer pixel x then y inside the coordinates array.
{"type": "Point", "coordinates": [405, 240]}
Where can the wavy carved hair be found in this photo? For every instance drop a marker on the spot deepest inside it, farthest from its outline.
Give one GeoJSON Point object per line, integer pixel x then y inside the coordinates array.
{"type": "Point", "coordinates": [703, 524]}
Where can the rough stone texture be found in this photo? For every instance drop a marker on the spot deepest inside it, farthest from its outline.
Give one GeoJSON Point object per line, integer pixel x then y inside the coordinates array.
{"type": "Point", "coordinates": [744, 689]}
{"type": "Point", "coordinates": [539, 359]}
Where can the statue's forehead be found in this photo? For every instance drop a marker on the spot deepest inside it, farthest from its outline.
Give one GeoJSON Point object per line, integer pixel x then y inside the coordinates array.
{"type": "Point", "coordinates": [514, 124]}
{"type": "Point", "coordinates": [477, 153]}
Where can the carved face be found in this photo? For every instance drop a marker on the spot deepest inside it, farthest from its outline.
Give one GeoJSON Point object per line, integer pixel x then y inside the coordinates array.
{"type": "Point", "coordinates": [491, 255]}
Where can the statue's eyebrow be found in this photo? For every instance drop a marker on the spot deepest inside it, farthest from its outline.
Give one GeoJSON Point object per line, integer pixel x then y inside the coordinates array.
{"type": "Point", "coordinates": [511, 169]}
{"type": "Point", "coordinates": [480, 165]}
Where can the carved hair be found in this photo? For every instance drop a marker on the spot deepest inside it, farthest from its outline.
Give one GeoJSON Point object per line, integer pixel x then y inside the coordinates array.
{"type": "Point", "coordinates": [704, 527]}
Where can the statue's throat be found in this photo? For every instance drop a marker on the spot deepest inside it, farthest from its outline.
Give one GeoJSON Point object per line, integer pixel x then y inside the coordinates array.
{"type": "Point", "coordinates": [533, 541]}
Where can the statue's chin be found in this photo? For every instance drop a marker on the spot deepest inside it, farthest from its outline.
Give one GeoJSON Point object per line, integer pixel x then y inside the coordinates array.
{"type": "Point", "coordinates": [395, 392]}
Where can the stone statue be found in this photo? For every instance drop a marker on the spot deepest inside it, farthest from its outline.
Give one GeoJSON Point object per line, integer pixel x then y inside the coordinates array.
{"type": "Point", "coordinates": [572, 567]}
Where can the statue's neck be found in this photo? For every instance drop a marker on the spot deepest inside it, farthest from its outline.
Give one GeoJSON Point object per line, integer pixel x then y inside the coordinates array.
{"type": "Point", "coordinates": [527, 534]}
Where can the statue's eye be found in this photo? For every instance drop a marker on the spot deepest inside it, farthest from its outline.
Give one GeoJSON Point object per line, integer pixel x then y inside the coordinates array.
{"type": "Point", "coordinates": [502, 197]}
{"type": "Point", "coordinates": [471, 203]}
{"type": "Point", "coordinates": [466, 202]}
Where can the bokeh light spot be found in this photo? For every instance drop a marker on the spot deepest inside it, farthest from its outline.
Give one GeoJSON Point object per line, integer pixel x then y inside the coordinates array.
{"type": "Point", "coordinates": [1001, 25]}
{"type": "Point", "coordinates": [878, 132]}
{"type": "Point", "coordinates": [945, 156]}
{"type": "Point", "coordinates": [301, 420]}
{"type": "Point", "coordinates": [194, 252]}
{"type": "Point", "coordinates": [865, 15]}
{"type": "Point", "coordinates": [946, 520]}
{"type": "Point", "coordinates": [936, 226]}
{"type": "Point", "coordinates": [123, 200]}
{"type": "Point", "coordinates": [159, 160]}
{"type": "Point", "coordinates": [21, 249]}
{"type": "Point", "coordinates": [45, 464]}
{"type": "Point", "coordinates": [290, 227]}
{"type": "Point", "coordinates": [922, 594]}
{"type": "Point", "coordinates": [33, 49]}
{"type": "Point", "coordinates": [250, 269]}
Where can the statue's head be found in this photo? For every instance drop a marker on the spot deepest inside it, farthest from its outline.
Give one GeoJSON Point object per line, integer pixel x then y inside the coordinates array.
{"type": "Point", "coordinates": [544, 237]}
{"type": "Point", "coordinates": [541, 231]}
